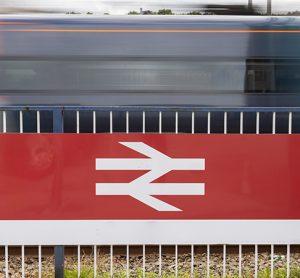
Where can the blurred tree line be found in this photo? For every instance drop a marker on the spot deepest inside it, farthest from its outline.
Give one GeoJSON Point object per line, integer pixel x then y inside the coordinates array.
{"type": "Point", "coordinates": [148, 12]}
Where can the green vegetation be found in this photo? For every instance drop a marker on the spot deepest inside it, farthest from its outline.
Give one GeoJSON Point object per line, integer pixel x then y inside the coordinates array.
{"type": "Point", "coordinates": [197, 12]}
{"type": "Point", "coordinates": [165, 12]}
{"type": "Point", "coordinates": [72, 12]}
{"type": "Point", "coordinates": [133, 13]}
{"type": "Point", "coordinates": [149, 12]}
{"type": "Point", "coordinates": [87, 272]}
{"type": "Point", "coordinates": [280, 273]}
{"type": "Point", "coordinates": [295, 13]}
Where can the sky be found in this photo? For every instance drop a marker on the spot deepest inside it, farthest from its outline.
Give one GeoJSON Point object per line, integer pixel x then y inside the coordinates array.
{"type": "Point", "coordinates": [123, 6]}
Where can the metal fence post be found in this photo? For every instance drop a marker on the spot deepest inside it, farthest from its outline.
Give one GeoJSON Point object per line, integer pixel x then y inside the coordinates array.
{"type": "Point", "coordinates": [58, 126]}
{"type": "Point", "coordinates": [59, 255]}
{"type": "Point", "coordinates": [59, 251]}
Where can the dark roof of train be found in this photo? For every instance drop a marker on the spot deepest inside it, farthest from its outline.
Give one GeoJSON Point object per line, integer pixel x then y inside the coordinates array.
{"type": "Point", "coordinates": [69, 35]}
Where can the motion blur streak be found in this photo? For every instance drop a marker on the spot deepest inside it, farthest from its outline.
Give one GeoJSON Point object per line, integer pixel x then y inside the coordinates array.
{"type": "Point", "coordinates": [147, 31]}
{"type": "Point", "coordinates": [17, 23]}
{"type": "Point", "coordinates": [179, 60]}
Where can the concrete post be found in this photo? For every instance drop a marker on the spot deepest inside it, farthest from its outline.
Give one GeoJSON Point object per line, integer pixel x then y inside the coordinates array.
{"type": "Point", "coordinates": [249, 4]}
{"type": "Point", "coordinates": [269, 7]}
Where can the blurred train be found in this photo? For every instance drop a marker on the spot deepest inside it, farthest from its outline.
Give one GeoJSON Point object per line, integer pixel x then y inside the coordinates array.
{"type": "Point", "coordinates": [150, 60]}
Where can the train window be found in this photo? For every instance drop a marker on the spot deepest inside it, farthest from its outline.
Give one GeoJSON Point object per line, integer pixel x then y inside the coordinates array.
{"type": "Point", "coordinates": [287, 76]}
{"type": "Point", "coordinates": [272, 75]}
{"type": "Point", "coordinates": [151, 74]}
{"type": "Point", "coordinates": [260, 76]}
{"type": "Point", "coordinates": [126, 75]}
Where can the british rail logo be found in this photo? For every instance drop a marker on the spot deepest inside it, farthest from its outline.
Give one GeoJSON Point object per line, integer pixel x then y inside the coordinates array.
{"type": "Point", "coordinates": [157, 164]}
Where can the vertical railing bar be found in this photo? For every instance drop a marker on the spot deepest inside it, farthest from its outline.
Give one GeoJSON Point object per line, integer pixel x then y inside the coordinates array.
{"type": "Point", "coordinates": [127, 261]}
{"type": "Point", "coordinates": [111, 261]}
{"type": "Point", "coordinates": [256, 261]}
{"type": "Point", "coordinates": [94, 121]}
{"type": "Point", "coordinates": [176, 260]}
{"type": "Point", "coordinates": [127, 121]}
{"type": "Point", "coordinates": [208, 123]}
{"type": "Point", "coordinates": [257, 122]}
{"type": "Point", "coordinates": [224, 260]}
{"type": "Point", "coordinates": [159, 259]}
{"type": "Point", "coordinates": [160, 122]}
{"type": "Point", "coordinates": [208, 262]}
{"type": "Point", "coordinates": [193, 122]}
{"type": "Point", "coordinates": [144, 122]}
{"type": "Point", "coordinates": [144, 260]}
{"type": "Point", "coordinates": [6, 261]}
{"type": "Point", "coordinates": [58, 120]}
{"type": "Point", "coordinates": [78, 261]}
{"type": "Point", "coordinates": [274, 123]}
{"type": "Point", "coordinates": [288, 258]}
{"type": "Point", "coordinates": [176, 122]}
{"type": "Point", "coordinates": [272, 260]}
{"type": "Point", "coordinates": [290, 122]}
{"type": "Point", "coordinates": [21, 121]}
{"type": "Point", "coordinates": [111, 121]}
{"type": "Point", "coordinates": [23, 261]}
{"type": "Point", "coordinates": [38, 122]}
{"type": "Point", "coordinates": [59, 253]}
{"type": "Point", "coordinates": [241, 122]}
{"type": "Point", "coordinates": [240, 260]}
{"type": "Point", "coordinates": [225, 122]}
{"type": "Point", "coordinates": [40, 261]}
{"type": "Point", "coordinates": [95, 259]}
{"type": "Point", "coordinates": [77, 122]}
{"type": "Point", "coordinates": [192, 260]}
{"type": "Point", "coordinates": [4, 121]}
{"type": "Point", "coordinates": [59, 256]}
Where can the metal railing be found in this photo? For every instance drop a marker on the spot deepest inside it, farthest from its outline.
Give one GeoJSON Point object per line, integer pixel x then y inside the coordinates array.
{"type": "Point", "coordinates": [138, 261]}
{"type": "Point", "coordinates": [139, 119]}
{"type": "Point", "coordinates": [131, 119]}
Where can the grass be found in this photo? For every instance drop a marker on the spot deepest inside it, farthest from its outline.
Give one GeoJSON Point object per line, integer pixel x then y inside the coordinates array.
{"type": "Point", "coordinates": [87, 272]}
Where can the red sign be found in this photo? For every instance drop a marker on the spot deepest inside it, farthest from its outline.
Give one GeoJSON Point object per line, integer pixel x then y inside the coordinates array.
{"type": "Point", "coordinates": [152, 176]}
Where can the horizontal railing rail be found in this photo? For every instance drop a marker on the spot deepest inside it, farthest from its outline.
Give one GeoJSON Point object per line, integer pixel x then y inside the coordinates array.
{"type": "Point", "coordinates": [147, 108]}
{"type": "Point", "coordinates": [153, 119]}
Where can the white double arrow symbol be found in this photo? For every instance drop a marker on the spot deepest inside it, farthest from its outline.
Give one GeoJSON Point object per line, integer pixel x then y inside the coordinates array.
{"type": "Point", "coordinates": [158, 165]}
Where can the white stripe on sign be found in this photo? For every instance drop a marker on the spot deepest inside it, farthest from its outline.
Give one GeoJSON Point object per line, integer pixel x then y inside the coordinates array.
{"type": "Point", "coordinates": [149, 164]}
{"type": "Point", "coordinates": [150, 189]}
{"type": "Point", "coordinates": [158, 165]}
{"type": "Point", "coordinates": [139, 232]}
{"type": "Point", "coordinates": [156, 161]}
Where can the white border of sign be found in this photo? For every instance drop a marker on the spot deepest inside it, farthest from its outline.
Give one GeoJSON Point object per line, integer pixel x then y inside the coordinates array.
{"type": "Point", "coordinates": [121, 232]}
